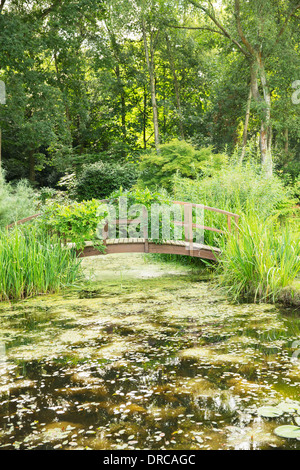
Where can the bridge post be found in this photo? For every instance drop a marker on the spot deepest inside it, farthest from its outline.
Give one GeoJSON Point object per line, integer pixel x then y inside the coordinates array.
{"type": "Point", "coordinates": [229, 223]}
{"type": "Point", "coordinates": [145, 229]}
{"type": "Point", "coordinates": [188, 226]}
{"type": "Point", "coordinates": [105, 233]}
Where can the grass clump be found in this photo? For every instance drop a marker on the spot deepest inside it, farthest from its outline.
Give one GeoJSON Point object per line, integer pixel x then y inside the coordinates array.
{"type": "Point", "coordinates": [32, 262]}
{"type": "Point", "coordinates": [259, 262]}
{"type": "Point", "coordinates": [240, 189]}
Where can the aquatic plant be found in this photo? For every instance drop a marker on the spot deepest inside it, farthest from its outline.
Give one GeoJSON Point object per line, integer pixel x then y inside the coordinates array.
{"type": "Point", "coordinates": [288, 431]}
{"type": "Point", "coordinates": [259, 262]}
{"type": "Point", "coordinates": [276, 411]}
{"type": "Point", "coordinates": [269, 412]}
{"type": "Point", "coordinates": [102, 367]}
{"type": "Point", "coordinates": [33, 262]}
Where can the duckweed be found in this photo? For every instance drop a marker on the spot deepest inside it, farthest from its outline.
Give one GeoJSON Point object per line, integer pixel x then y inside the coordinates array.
{"type": "Point", "coordinates": [144, 356]}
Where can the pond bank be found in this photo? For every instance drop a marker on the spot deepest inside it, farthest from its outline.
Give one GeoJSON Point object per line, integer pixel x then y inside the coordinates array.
{"type": "Point", "coordinates": [144, 355]}
{"type": "Point", "coordinates": [290, 296]}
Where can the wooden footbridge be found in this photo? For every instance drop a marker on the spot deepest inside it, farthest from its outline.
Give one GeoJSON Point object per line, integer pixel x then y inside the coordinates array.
{"type": "Point", "coordinates": [184, 247]}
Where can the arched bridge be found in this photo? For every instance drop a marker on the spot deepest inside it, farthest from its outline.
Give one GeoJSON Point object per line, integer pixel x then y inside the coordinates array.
{"type": "Point", "coordinates": [186, 247]}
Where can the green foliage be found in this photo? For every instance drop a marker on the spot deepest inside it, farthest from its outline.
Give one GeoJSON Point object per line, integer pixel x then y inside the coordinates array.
{"type": "Point", "coordinates": [75, 223]}
{"type": "Point", "coordinates": [141, 196]}
{"type": "Point", "coordinates": [243, 190]}
{"type": "Point", "coordinates": [259, 262]}
{"type": "Point", "coordinates": [32, 262]}
{"type": "Point", "coordinates": [239, 189]}
{"type": "Point", "coordinates": [78, 83]}
{"type": "Point", "coordinates": [16, 201]}
{"type": "Point", "coordinates": [136, 200]}
{"type": "Point", "coordinates": [48, 196]}
{"type": "Point", "coordinates": [297, 189]}
{"type": "Point", "coordinates": [100, 179]}
{"type": "Point", "coordinates": [178, 157]}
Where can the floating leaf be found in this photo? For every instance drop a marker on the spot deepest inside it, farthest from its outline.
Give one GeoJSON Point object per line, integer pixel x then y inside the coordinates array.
{"type": "Point", "coordinates": [269, 412]}
{"type": "Point", "coordinates": [289, 432]}
{"type": "Point", "coordinates": [288, 407]}
{"type": "Point", "coordinates": [297, 420]}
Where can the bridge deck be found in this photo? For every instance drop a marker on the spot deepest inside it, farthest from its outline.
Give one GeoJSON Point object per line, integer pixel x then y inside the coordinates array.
{"type": "Point", "coordinates": [142, 245]}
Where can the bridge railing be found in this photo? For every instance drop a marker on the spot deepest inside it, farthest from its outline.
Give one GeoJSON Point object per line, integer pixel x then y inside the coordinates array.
{"type": "Point", "coordinates": [23, 221]}
{"type": "Point", "coordinates": [187, 223]}
{"type": "Point", "coordinates": [188, 218]}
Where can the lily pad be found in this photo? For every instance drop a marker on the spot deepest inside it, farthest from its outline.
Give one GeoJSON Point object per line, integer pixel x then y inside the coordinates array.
{"type": "Point", "coordinates": [297, 420]}
{"type": "Point", "coordinates": [289, 432]}
{"type": "Point", "coordinates": [269, 411]}
{"type": "Point", "coordinates": [288, 407]}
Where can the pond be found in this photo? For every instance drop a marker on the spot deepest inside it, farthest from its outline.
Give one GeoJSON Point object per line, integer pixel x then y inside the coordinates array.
{"type": "Point", "coordinates": [145, 355]}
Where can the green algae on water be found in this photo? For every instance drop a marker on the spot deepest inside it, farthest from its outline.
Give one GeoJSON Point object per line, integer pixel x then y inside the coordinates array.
{"type": "Point", "coordinates": [144, 356]}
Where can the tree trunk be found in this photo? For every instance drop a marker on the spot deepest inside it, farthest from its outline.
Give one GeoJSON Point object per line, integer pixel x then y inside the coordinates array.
{"type": "Point", "coordinates": [266, 149]}
{"type": "Point", "coordinates": [266, 128]}
{"type": "Point", "coordinates": [245, 134]}
{"type": "Point", "coordinates": [145, 119]}
{"type": "Point", "coordinates": [151, 71]}
{"type": "Point", "coordinates": [123, 106]}
{"type": "Point", "coordinates": [117, 53]}
{"type": "Point", "coordinates": [257, 70]}
{"type": "Point", "coordinates": [2, 3]}
{"type": "Point", "coordinates": [62, 87]}
{"type": "Point", "coordinates": [176, 86]}
{"type": "Point", "coordinates": [255, 56]}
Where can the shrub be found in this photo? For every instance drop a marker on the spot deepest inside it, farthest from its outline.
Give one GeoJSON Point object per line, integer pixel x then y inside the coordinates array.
{"type": "Point", "coordinates": [33, 262]}
{"type": "Point", "coordinates": [136, 198]}
{"type": "Point", "coordinates": [158, 170]}
{"type": "Point", "coordinates": [99, 180]}
{"type": "Point", "coordinates": [141, 196]}
{"type": "Point", "coordinates": [16, 202]}
{"type": "Point", "coordinates": [75, 223]}
{"type": "Point", "coordinates": [48, 196]}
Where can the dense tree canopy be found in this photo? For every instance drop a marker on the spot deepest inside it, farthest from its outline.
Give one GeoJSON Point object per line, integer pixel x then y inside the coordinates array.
{"type": "Point", "coordinates": [92, 80]}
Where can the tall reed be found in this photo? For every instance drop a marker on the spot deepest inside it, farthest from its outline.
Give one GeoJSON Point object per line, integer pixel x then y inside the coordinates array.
{"type": "Point", "coordinates": [32, 262]}
{"type": "Point", "coordinates": [239, 189]}
{"type": "Point", "coordinates": [260, 261]}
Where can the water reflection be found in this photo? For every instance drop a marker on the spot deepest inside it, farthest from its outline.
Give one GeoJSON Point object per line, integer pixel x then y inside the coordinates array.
{"type": "Point", "coordinates": [160, 362]}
